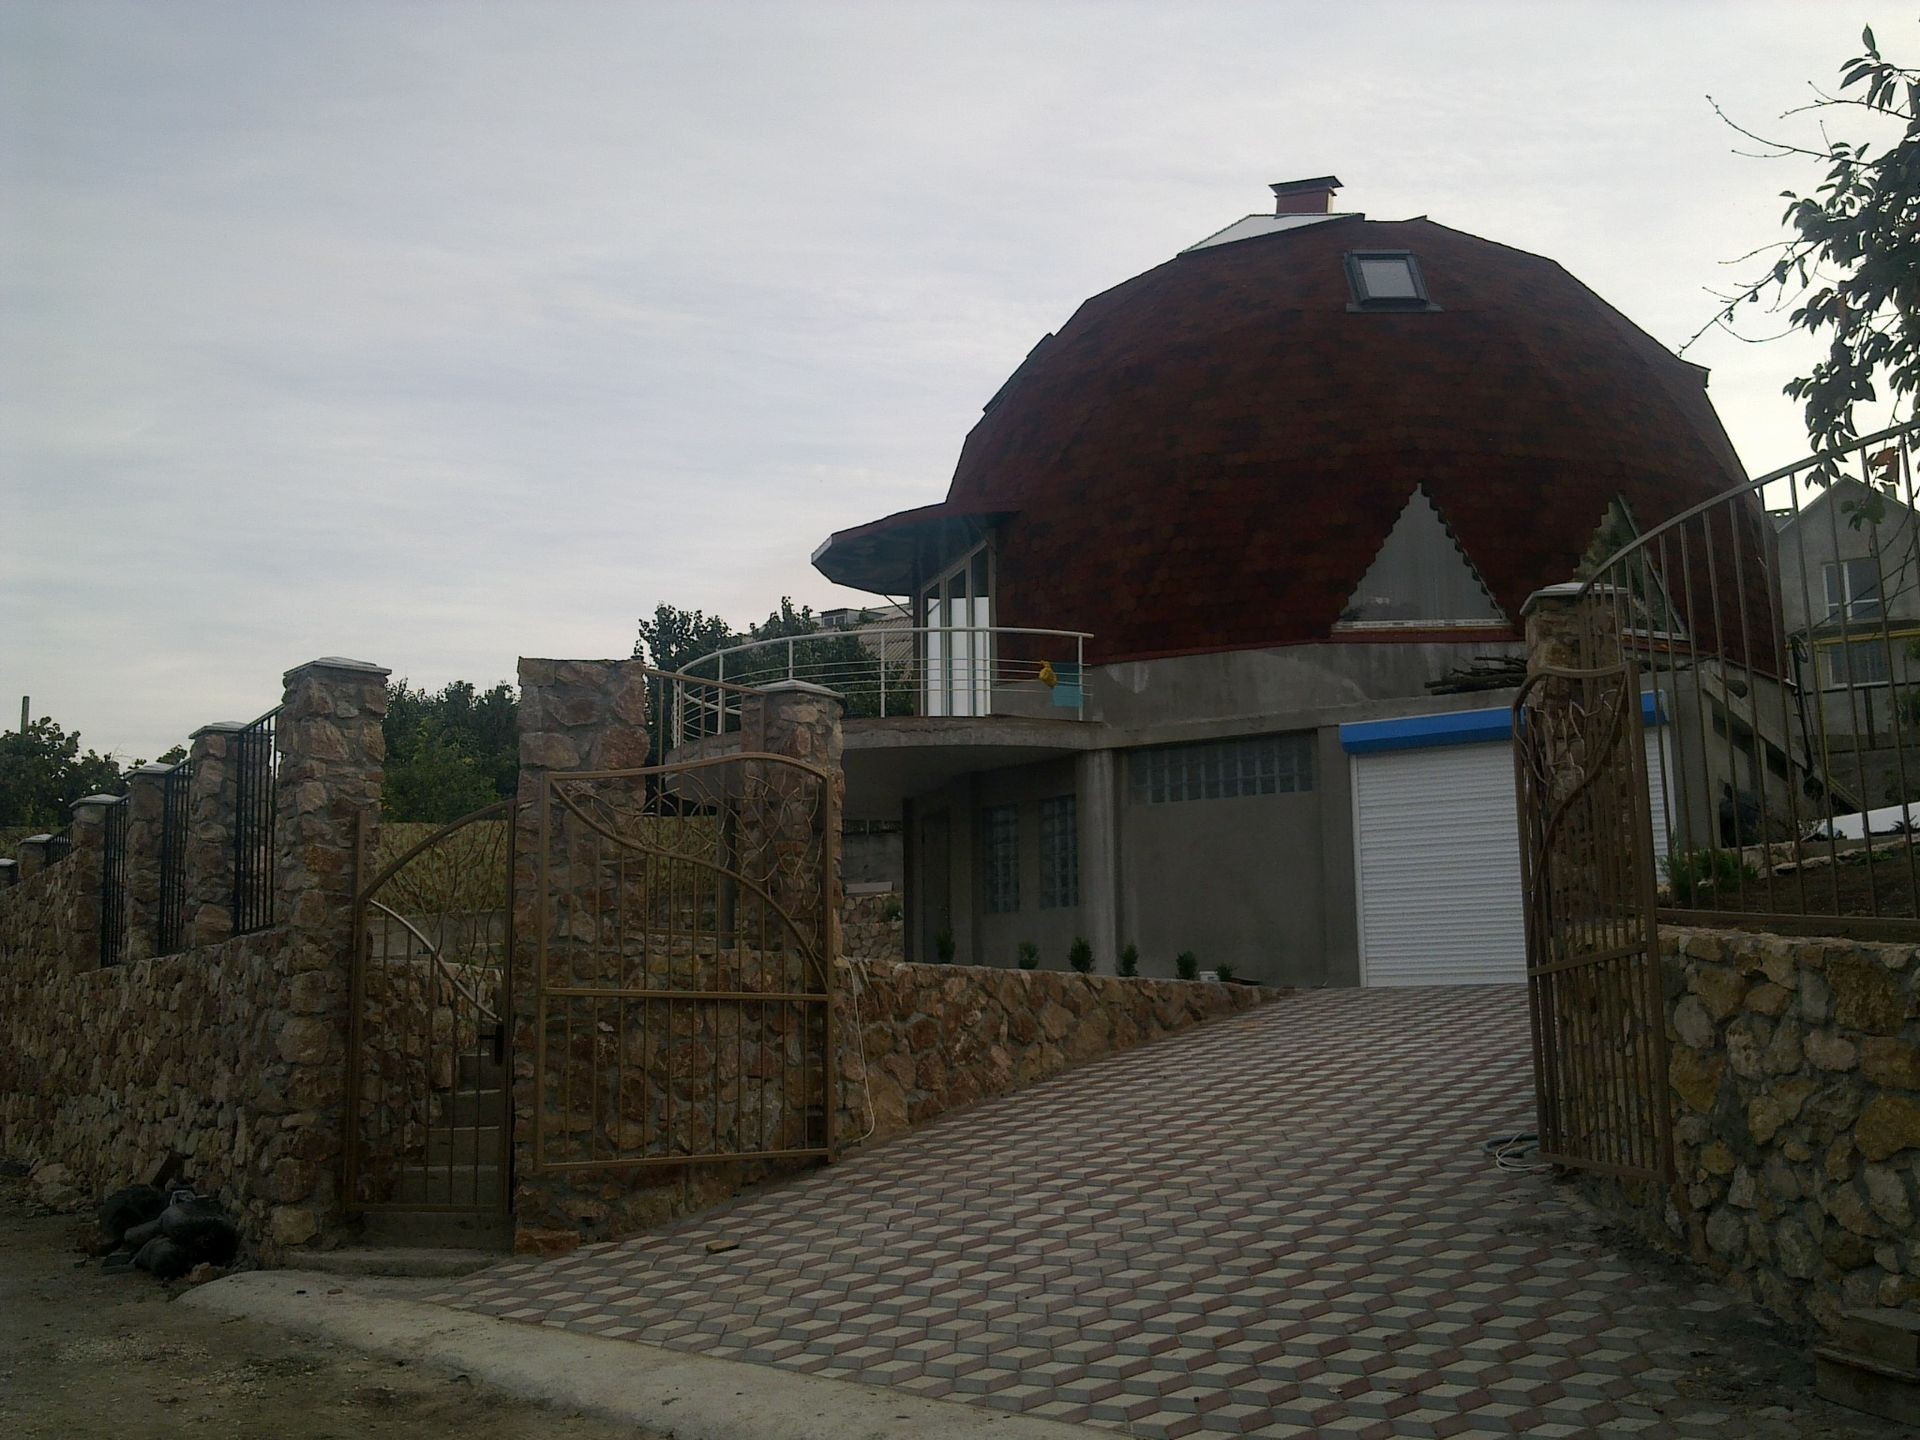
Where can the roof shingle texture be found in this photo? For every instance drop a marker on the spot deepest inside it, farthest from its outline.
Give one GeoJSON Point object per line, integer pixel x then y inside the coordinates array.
{"type": "Point", "coordinates": [1209, 455]}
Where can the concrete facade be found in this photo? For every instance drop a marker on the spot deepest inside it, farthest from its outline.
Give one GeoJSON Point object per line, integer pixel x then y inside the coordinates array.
{"type": "Point", "coordinates": [1264, 882]}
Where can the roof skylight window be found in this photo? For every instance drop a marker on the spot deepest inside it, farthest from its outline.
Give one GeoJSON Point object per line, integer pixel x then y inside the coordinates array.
{"type": "Point", "coordinates": [1386, 280]}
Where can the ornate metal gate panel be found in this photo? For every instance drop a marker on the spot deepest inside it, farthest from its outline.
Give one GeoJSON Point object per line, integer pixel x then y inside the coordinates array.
{"type": "Point", "coordinates": [684, 958]}
{"type": "Point", "coordinates": [427, 1077]}
{"type": "Point", "coordinates": [1593, 961]}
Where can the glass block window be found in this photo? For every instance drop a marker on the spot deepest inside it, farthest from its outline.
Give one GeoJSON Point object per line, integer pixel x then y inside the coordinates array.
{"type": "Point", "coordinates": [1221, 769]}
{"type": "Point", "coordinates": [1002, 827]}
{"type": "Point", "coordinates": [1059, 853]}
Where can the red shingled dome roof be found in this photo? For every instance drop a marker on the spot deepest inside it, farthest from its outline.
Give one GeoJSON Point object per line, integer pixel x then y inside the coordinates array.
{"type": "Point", "coordinates": [1209, 456]}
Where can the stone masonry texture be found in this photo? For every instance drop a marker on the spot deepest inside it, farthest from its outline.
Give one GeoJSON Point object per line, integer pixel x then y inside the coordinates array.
{"type": "Point", "coordinates": [1794, 1080]}
{"type": "Point", "coordinates": [230, 1054]}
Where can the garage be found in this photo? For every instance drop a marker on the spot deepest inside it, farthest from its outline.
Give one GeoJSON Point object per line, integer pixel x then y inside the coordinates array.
{"type": "Point", "coordinates": [1436, 847]}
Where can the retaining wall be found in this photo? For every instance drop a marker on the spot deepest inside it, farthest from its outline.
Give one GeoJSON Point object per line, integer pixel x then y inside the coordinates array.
{"type": "Point", "coordinates": [1794, 1077]}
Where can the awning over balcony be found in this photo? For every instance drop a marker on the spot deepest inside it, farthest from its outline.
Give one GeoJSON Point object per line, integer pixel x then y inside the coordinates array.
{"type": "Point", "coordinates": [888, 557]}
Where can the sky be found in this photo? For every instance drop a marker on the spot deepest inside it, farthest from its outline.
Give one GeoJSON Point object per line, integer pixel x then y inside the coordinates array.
{"type": "Point", "coordinates": [436, 334]}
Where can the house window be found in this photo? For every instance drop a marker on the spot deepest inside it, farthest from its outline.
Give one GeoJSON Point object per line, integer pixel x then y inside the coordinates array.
{"type": "Point", "coordinates": [1059, 853]}
{"type": "Point", "coordinates": [1386, 280]}
{"type": "Point", "coordinates": [1221, 769]}
{"type": "Point", "coordinates": [1853, 590]}
{"type": "Point", "coordinates": [1002, 825]}
{"type": "Point", "coordinates": [1857, 662]}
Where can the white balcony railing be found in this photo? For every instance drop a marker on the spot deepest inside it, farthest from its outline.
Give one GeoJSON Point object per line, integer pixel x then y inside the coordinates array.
{"type": "Point", "coordinates": [942, 671]}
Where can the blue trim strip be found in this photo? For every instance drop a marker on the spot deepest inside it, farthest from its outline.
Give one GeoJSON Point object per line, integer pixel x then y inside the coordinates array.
{"type": "Point", "coordinates": [1454, 727]}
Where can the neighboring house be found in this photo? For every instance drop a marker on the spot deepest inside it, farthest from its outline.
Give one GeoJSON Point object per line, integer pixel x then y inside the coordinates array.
{"type": "Point", "coordinates": [1854, 620]}
{"type": "Point", "coordinates": [1205, 557]}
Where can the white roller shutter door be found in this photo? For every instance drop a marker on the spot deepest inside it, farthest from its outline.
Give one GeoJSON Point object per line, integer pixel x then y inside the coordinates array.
{"type": "Point", "coordinates": [1438, 845]}
{"type": "Point", "coordinates": [1439, 867]}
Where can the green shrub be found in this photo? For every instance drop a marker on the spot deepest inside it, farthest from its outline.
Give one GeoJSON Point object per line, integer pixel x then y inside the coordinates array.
{"type": "Point", "coordinates": [1187, 965]}
{"type": "Point", "coordinates": [1080, 956]}
{"type": "Point", "coordinates": [943, 946]}
{"type": "Point", "coordinates": [1691, 871]}
{"type": "Point", "coordinates": [1223, 971]}
{"type": "Point", "coordinates": [1129, 961]}
{"type": "Point", "coordinates": [891, 911]}
{"type": "Point", "coordinates": [1029, 955]}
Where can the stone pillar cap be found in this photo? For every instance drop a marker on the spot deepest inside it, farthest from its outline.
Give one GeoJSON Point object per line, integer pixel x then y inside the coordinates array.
{"type": "Point", "coordinates": [1566, 590]}
{"type": "Point", "coordinates": [800, 687]}
{"type": "Point", "coordinates": [36, 839]}
{"type": "Point", "coordinates": [8, 860]}
{"type": "Point", "coordinates": [219, 727]}
{"type": "Point", "coordinates": [101, 799]}
{"type": "Point", "coordinates": [338, 662]}
{"type": "Point", "coordinates": [155, 767]}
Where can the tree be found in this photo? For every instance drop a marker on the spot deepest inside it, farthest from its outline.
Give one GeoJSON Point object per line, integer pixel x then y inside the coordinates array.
{"type": "Point", "coordinates": [1850, 272]}
{"type": "Point", "coordinates": [42, 772]}
{"type": "Point", "coordinates": [675, 638]}
{"type": "Point", "coordinates": [449, 751]}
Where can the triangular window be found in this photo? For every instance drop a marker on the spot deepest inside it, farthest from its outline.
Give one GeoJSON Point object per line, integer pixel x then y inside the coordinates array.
{"type": "Point", "coordinates": [1420, 579]}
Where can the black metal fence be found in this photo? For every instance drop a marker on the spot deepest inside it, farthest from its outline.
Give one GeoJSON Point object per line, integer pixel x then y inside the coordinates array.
{"type": "Point", "coordinates": [170, 915]}
{"type": "Point", "coordinates": [1778, 626]}
{"type": "Point", "coordinates": [59, 844]}
{"type": "Point", "coordinates": [256, 772]}
{"type": "Point", "coordinates": [113, 883]}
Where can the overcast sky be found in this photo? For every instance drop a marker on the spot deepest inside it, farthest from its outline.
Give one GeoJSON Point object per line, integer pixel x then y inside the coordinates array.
{"type": "Point", "coordinates": [438, 334]}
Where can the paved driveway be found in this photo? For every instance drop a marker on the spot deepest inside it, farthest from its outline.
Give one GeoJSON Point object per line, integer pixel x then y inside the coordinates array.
{"type": "Point", "coordinates": [1282, 1224]}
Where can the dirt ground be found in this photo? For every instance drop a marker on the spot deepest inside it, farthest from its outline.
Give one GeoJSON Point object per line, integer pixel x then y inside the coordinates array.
{"type": "Point", "coordinates": [85, 1354]}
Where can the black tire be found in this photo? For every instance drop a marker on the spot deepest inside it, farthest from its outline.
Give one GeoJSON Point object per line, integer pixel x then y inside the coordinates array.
{"type": "Point", "coordinates": [164, 1259]}
{"type": "Point", "coordinates": [124, 1209]}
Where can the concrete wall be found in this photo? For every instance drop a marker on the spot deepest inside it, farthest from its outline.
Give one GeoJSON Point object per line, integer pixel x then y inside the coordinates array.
{"type": "Point", "coordinates": [996, 938]}
{"type": "Point", "coordinates": [1240, 880]}
{"type": "Point", "coordinates": [1277, 683]}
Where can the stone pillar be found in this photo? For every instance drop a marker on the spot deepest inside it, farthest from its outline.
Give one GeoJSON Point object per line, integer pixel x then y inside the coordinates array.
{"type": "Point", "coordinates": [326, 806]}
{"type": "Point", "coordinates": [9, 871]}
{"type": "Point", "coordinates": [145, 803]}
{"type": "Point", "coordinates": [575, 715]}
{"type": "Point", "coordinates": [212, 802]}
{"type": "Point", "coordinates": [89, 832]}
{"type": "Point", "coordinates": [31, 854]}
{"type": "Point", "coordinates": [1097, 811]}
{"type": "Point", "coordinates": [1571, 631]}
{"type": "Point", "coordinates": [803, 721]}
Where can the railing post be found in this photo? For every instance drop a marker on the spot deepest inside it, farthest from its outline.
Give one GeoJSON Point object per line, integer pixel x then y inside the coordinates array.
{"type": "Point", "coordinates": [1080, 664]}
{"type": "Point", "coordinates": [790, 657]}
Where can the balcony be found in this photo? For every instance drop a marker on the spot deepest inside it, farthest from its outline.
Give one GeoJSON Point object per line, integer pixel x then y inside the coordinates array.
{"type": "Point", "coordinates": [887, 671]}
{"type": "Point", "coordinates": [923, 702]}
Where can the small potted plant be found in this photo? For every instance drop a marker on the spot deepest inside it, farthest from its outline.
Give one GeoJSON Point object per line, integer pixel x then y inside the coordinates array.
{"type": "Point", "coordinates": [1187, 965]}
{"type": "Point", "coordinates": [1080, 956]}
{"type": "Point", "coordinates": [1029, 955]}
{"type": "Point", "coordinates": [1129, 961]}
{"type": "Point", "coordinates": [943, 947]}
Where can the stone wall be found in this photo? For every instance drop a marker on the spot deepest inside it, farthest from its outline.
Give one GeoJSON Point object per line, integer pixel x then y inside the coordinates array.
{"type": "Point", "coordinates": [873, 927]}
{"type": "Point", "coordinates": [230, 1053]}
{"type": "Point", "coordinates": [933, 1038]}
{"type": "Point", "coordinates": [1795, 1085]}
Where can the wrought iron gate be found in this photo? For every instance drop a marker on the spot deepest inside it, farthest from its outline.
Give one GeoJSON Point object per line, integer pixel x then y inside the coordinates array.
{"type": "Point", "coordinates": [427, 1078]}
{"type": "Point", "coordinates": [683, 961]}
{"type": "Point", "coordinates": [1593, 961]}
